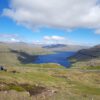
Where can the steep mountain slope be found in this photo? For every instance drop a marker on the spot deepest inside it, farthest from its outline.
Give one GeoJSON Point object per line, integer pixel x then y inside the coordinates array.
{"type": "Point", "coordinates": [87, 57]}
{"type": "Point", "coordinates": [17, 53]}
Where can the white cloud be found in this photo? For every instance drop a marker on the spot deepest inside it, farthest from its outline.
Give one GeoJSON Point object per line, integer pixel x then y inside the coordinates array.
{"type": "Point", "coordinates": [97, 31]}
{"type": "Point", "coordinates": [9, 37]}
{"type": "Point", "coordinates": [65, 14]}
{"type": "Point", "coordinates": [14, 40]}
{"type": "Point", "coordinates": [3, 35]}
{"type": "Point", "coordinates": [55, 38]}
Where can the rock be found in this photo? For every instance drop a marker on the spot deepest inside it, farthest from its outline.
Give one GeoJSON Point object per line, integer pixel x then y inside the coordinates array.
{"type": "Point", "coordinates": [2, 68]}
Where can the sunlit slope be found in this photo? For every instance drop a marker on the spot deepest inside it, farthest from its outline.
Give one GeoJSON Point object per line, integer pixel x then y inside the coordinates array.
{"type": "Point", "coordinates": [28, 83]}
{"type": "Point", "coordinates": [17, 53]}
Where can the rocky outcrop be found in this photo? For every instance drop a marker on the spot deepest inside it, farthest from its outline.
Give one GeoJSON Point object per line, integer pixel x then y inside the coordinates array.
{"type": "Point", "coordinates": [2, 68]}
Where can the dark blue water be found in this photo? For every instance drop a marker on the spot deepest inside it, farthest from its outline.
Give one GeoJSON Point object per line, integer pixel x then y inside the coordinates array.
{"type": "Point", "coordinates": [59, 58]}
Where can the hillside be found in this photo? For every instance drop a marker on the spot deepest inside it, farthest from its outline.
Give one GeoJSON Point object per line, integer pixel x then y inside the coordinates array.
{"type": "Point", "coordinates": [24, 53]}
{"type": "Point", "coordinates": [29, 83]}
{"type": "Point", "coordinates": [87, 57]}
{"type": "Point", "coordinates": [19, 53]}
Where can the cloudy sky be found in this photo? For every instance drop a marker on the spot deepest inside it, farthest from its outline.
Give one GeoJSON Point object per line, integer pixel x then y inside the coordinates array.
{"type": "Point", "coordinates": [50, 21]}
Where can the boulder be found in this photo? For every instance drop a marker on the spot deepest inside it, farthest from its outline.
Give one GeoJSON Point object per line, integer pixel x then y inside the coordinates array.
{"type": "Point", "coordinates": [2, 68]}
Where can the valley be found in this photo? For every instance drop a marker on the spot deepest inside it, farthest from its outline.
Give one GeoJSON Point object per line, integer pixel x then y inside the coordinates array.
{"type": "Point", "coordinates": [24, 80]}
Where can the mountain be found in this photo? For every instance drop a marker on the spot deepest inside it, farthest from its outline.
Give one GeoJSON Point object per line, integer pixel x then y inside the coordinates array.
{"type": "Point", "coordinates": [55, 46]}
{"type": "Point", "coordinates": [24, 53]}
{"type": "Point", "coordinates": [63, 47]}
{"type": "Point", "coordinates": [19, 53]}
{"type": "Point", "coordinates": [87, 57]}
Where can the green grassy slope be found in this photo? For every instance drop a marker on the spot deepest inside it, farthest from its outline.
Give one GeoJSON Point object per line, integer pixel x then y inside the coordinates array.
{"type": "Point", "coordinates": [45, 84]}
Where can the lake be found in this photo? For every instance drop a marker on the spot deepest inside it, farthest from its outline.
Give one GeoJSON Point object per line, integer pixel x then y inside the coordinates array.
{"type": "Point", "coordinates": [58, 57]}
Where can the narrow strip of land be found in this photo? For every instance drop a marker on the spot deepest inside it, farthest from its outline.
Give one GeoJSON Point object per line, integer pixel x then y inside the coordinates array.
{"type": "Point", "coordinates": [82, 70]}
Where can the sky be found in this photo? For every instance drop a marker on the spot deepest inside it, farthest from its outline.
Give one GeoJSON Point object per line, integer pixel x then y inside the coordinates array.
{"type": "Point", "coordinates": [75, 22]}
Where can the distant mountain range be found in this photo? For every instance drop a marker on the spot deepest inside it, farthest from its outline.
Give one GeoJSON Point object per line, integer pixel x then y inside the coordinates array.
{"type": "Point", "coordinates": [63, 47]}
{"type": "Point", "coordinates": [16, 53]}
{"type": "Point", "coordinates": [55, 46]}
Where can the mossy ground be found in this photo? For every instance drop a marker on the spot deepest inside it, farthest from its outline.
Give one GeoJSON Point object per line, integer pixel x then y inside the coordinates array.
{"type": "Point", "coordinates": [70, 84]}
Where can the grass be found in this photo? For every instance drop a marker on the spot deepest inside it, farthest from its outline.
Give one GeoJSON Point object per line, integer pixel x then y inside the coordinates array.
{"type": "Point", "coordinates": [94, 68]}
{"type": "Point", "coordinates": [72, 83]}
{"type": "Point", "coordinates": [49, 65]}
{"type": "Point", "coordinates": [89, 90]}
{"type": "Point", "coordinates": [87, 67]}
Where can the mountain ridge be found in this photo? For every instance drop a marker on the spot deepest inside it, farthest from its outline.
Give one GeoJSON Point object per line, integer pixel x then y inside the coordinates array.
{"type": "Point", "coordinates": [87, 57]}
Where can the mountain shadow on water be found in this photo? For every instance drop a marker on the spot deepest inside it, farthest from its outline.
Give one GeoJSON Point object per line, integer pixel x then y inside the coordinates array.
{"type": "Point", "coordinates": [23, 57]}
